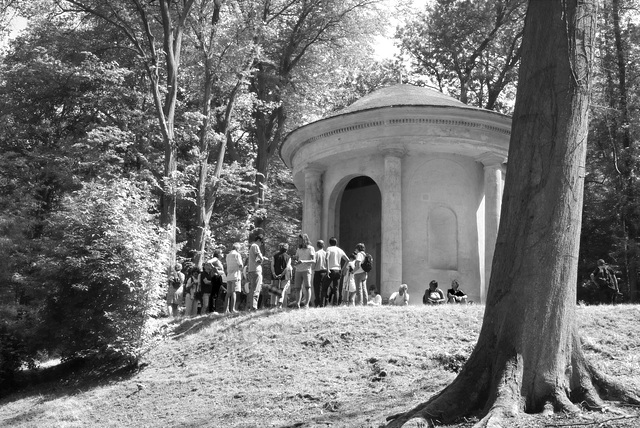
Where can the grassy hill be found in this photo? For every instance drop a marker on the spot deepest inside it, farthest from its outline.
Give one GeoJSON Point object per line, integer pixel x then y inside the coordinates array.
{"type": "Point", "coordinates": [338, 367]}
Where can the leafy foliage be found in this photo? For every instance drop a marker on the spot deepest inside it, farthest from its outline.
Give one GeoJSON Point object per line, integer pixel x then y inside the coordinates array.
{"type": "Point", "coordinates": [104, 270]}
{"type": "Point", "coordinates": [470, 49]}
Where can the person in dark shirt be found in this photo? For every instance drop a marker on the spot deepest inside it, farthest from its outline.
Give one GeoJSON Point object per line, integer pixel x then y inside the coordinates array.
{"type": "Point", "coordinates": [281, 274]}
{"type": "Point", "coordinates": [605, 278]}
{"type": "Point", "coordinates": [455, 295]}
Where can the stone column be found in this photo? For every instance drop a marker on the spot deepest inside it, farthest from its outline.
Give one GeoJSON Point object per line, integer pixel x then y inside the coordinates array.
{"type": "Point", "coordinates": [391, 263]}
{"type": "Point", "coordinates": [312, 204]}
{"type": "Point", "coordinates": [493, 174]}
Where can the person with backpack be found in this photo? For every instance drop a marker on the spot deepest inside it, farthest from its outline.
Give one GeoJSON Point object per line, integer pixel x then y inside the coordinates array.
{"type": "Point", "coordinates": [605, 278]}
{"type": "Point", "coordinates": [363, 266]}
{"type": "Point", "coordinates": [174, 291]}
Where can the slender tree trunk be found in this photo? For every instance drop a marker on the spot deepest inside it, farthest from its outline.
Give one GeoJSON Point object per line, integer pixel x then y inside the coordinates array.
{"type": "Point", "coordinates": [268, 130]}
{"type": "Point", "coordinates": [528, 357]}
{"type": "Point", "coordinates": [629, 219]}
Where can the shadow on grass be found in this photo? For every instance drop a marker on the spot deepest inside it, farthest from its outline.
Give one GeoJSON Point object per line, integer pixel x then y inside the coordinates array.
{"type": "Point", "coordinates": [69, 378]}
{"type": "Point", "coordinates": [194, 325]}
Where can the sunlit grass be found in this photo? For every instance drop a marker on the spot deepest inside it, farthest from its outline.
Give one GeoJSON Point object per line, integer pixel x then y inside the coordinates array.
{"type": "Point", "coordinates": [340, 366]}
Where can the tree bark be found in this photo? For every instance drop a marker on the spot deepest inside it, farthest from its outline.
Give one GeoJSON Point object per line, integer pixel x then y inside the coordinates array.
{"type": "Point", "coordinates": [528, 357]}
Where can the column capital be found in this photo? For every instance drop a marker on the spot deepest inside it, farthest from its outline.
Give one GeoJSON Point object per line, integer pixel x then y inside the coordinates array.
{"type": "Point", "coordinates": [491, 159]}
{"type": "Point", "coordinates": [313, 169]}
{"type": "Point", "coordinates": [392, 149]}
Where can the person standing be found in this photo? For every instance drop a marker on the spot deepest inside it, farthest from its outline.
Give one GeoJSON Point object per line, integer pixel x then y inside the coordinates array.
{"type": "Point", "coordinates": [305, 260]}
{"type": "Point", "coordinates": [254, 271]}
{"type": "Point", "coordinates": [336, 259]}
{"type": "Point", "coordinates": [234, 278]}
{"type": "Point", "coordinates": [319, 274]}
{"type": "Point", "coordinates": [360, 276]}
{"type": "Point", "coordinates": [349, 291]}
{"type": "Point", "coordinates": [605, 278]}
{"type": "Point", "coordinates": [206, 285]}
{"type": "Point", "coordinates": [281, 274]}
{"type": "Point", "coordinates": [191, 291]}
{"type": "Point", "coordinates": [174, 291]}
{"type": "Point", "coordinates": [217, 277]}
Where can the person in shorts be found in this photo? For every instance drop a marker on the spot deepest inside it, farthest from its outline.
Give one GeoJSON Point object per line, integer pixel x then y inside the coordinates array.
{"type": "Point", "coordinates": [234, 278]}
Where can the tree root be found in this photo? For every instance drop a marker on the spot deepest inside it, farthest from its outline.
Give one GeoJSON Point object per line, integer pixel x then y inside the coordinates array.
{"type": "Point", "coordinates": [494, 390]}
{"type": "Point", "coordinates": [610, 389]}
{"type": "Point", "coordinates": [598, 422]}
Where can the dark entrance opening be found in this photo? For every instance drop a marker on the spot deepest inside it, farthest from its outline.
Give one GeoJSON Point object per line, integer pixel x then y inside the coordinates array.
{"type": "Point", "coordinates": [360, 221]}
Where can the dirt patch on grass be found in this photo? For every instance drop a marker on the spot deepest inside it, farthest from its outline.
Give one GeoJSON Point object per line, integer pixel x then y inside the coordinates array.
{"type": "Point", "coordinates": [340, 367]}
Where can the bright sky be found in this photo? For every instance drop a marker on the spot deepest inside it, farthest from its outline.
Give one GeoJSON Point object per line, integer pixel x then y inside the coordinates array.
{"type": "Point", "coordinates": [384, 45]}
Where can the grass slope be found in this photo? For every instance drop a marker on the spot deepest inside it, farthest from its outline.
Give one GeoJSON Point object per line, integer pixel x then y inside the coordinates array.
{"type": "Point", "coordinates": [339, 367]}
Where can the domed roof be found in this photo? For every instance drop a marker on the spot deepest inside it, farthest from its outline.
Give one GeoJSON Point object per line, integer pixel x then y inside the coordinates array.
{"type": "Point", "coordinates": [403, 95]}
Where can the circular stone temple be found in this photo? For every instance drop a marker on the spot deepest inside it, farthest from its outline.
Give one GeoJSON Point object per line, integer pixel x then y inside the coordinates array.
{"type": "Point", "coordinates": [416, 176]}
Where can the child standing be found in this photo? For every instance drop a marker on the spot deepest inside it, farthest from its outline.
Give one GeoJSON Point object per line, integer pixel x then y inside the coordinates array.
{"type": "Point", "coordinates": [349, 292]}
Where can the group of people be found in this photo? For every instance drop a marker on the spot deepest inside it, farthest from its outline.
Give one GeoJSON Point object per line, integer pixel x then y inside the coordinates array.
{"type": "Point", "coordinates": [432, 295]}
{"type": "Point", "coordinates": [336, 278]}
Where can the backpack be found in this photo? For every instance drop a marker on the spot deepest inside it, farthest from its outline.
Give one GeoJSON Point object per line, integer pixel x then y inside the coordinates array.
{"type": "Point", "coordinates": [367, 263]}
{"type": "Point", "coordinates": [176, 281]}
{"type": "Point", "coordinates": [604, 278]}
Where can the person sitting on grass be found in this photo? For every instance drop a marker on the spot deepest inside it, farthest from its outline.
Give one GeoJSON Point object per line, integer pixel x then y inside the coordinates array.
{"type": "Point", "coordinates": [374, 298]}
{"type": "Point", "coordinates": [455, 295]}
{"type": "Point", "coordinates": [433, 295]}
{"type": "Point", "coordinates": [400, 297]}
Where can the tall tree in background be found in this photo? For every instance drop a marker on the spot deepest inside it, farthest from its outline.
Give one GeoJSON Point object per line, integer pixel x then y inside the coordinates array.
{"type": "Point", "coordinates": [612, 216]}
{"type": "Point", "coordinates": [529, 357]}
{"type": "Point", "coordinates": [470, 49]}
{"type": "Point", "coordinates": [299, 38]}
{"type": "Point", "coordinates": [155, 31]}
{"type": "Point", "coordinates": [225, 51]}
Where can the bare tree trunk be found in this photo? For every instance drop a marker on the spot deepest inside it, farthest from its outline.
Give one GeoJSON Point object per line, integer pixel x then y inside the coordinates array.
{"type": "Point", "coordinates": [528, 357]}
{"type": "Point", "coordinates": [629, 218]}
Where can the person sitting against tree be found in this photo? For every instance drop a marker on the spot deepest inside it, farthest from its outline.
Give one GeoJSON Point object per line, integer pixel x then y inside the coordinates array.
{"type": "Point", "coordinates": [400, 297]}
{"type": "Point", "coordinates": [455, 295]}
{"type": "Point", "coordinates": [433, 295]}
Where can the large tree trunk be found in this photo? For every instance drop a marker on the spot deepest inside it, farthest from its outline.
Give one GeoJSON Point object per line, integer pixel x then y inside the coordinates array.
{"type": "Point", "coordinates": [528, 357]}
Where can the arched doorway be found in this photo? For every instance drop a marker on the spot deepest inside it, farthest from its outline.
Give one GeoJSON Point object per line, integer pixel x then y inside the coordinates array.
{"type": "Point", "coordinates": [360, 221]}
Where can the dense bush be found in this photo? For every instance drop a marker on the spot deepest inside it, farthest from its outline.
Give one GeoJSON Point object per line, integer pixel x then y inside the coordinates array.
{"type": "Point", "coordinates": [104, 270]}
{"type": "Point", "coordinates": [16, 347]}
